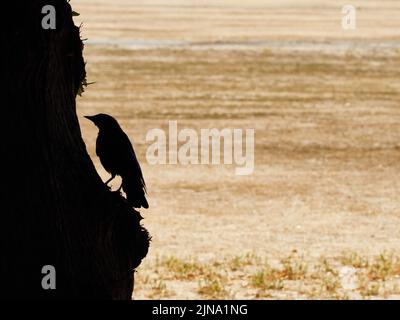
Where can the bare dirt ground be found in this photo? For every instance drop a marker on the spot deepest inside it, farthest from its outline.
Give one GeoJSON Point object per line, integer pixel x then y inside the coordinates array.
{"type": "Point", "coordinates": [320, 216]}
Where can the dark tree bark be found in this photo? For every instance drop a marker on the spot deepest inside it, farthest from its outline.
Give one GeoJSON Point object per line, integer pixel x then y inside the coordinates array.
{"type": "Point", "coordinates": [55, 210]}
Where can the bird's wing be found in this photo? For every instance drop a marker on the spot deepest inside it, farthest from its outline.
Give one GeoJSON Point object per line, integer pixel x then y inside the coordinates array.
{"type": "Point", "coordinates": [130, 161]}
{"type": "Point", "coordinates": [133, 182]}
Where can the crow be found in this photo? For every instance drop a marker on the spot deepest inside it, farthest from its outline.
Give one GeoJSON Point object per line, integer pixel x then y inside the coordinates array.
{"type": "Point", "coordinates": [118, 157]}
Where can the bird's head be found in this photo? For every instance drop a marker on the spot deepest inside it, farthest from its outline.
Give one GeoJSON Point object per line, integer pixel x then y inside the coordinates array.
{"type": "Point", "coordinates": [103, 121]}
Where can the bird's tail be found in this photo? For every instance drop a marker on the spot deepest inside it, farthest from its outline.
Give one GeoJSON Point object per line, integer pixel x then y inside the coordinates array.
{"type": "Point", "coordinates": [135, 190]}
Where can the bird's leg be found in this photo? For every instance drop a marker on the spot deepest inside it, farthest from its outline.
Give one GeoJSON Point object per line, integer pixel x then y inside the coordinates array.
{"type": "Point", "coordinates": [109, 180]}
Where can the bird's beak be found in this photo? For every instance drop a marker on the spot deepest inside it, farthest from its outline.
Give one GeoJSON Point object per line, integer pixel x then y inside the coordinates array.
{"type": "Point", "coordinates": [91, 118]}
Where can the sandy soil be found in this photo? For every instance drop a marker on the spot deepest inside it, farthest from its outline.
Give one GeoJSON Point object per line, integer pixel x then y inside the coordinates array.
{"type": "Point", "coordinates": [206, 20]}
{"type": "Point", "coordinates": [324, 104]}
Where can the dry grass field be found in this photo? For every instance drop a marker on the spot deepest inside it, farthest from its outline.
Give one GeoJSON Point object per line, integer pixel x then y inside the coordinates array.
{"type": "Point", "coordinates": [320, 215]}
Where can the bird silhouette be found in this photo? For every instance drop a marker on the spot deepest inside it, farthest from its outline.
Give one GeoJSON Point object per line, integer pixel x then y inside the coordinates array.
{"type": "Point", "coordinates": [118, 157]}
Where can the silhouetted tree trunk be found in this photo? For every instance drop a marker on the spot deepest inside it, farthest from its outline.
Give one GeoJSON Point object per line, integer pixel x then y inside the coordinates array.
{"type": "Point", "coordinates": [54, 208]}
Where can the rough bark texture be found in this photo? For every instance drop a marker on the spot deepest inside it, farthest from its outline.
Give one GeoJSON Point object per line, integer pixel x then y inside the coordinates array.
{"type": "Point", "coordinates": [55, 210]}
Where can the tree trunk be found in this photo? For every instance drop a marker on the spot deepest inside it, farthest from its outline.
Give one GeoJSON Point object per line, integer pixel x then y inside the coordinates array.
{"type": "Point", "coordinates": [55, 210]}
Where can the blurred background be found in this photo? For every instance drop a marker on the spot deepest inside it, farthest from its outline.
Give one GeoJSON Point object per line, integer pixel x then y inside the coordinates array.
{"type": "Point", "coordinates": [320, 215]}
